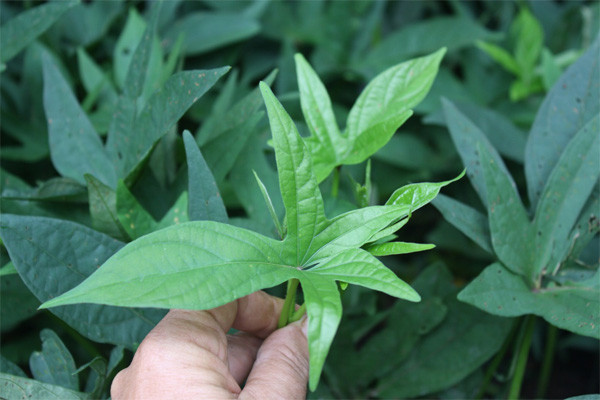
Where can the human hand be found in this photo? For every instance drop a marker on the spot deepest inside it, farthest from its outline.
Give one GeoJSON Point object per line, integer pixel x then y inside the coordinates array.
{"type": "Point", "coordinates": [189, 356]}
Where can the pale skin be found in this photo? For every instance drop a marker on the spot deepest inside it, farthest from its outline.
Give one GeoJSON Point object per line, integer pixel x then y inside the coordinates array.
{"type": "Point", "coordinates": [189, 355]}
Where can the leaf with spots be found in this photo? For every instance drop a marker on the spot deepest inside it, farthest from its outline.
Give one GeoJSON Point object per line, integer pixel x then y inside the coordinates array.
{"type": "Point", "coordinates": [137, 222]}
{"type": "Point", "coordinates": [130, 142]}
{"type": "Point", "coordinates": [53, 256]}
{"type": "Point", "coordinates": [75, 147]}
{"type": "Point", "coordinates": [54, 364]}
{"type": "Point", "coordinates": [498, 291]}
{"type": "Point", "coordinates": [568, 107]}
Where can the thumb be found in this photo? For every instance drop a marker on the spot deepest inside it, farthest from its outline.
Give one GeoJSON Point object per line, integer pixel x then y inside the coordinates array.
{"type": "Point", "coordinates": [281, 367]}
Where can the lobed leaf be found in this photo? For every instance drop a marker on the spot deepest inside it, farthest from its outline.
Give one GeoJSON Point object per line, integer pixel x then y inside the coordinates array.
{"type": "Point", "coordinates": [498, 291]}
{"type": "Point", "coordinates": [386, 102]}
{"type": "Point", "coordinates": [54, 364]}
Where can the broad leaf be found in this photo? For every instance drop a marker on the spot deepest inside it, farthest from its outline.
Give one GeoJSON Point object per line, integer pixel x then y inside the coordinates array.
{"type": "Point", "coordinates": [567, 189]}
{"type": "Point", "coordinates": [20, 31]}
{"type": "Point", "coordinates": [498, 291]}
{"type": "Point", "coordinates": [205, 202]}
{"type": "Point", "coordinates": [16, 387]}
{"type": "Point", "coordinates": [18, 304]}
{"type": "Point", "coordinates": [75, 147]}
{"type": "Point", "coordinates": [54, 364]}
{"type": "Point", "coordinates": [395, 248]}
{"type": "Point", "coordinates": [512, 232]}
{"type": "Point", "coordinates": [52, 256]}
{"type": "Point", "coordinates": [568, 107]}
{"type": "Point", "coordinates": [386, 102]}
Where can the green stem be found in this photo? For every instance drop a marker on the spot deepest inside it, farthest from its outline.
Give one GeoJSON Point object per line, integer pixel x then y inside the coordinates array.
{"type": "Point", "coordinates": [493, 367]}
{"type": "Point", "coordinates": [335, 185]}
{"type": "Point", "coordinates": [289, 303]}
{"type": "Point", "coordinates": [548, 362]}
{"type": "Point", "coordinates": [515, 385]}
{"type": "Point", "coordinates": [298, 313]}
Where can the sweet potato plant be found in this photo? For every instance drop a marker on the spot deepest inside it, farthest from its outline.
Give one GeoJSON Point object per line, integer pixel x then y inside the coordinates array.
{"type": "Point", "coordinates": [161, 155]}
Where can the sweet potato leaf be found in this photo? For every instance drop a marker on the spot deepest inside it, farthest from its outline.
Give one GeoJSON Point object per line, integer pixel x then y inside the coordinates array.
{"type": "Point", "coordinates": [567, 189]}
{"type": "Point", "coordinates": [512, 232]}
{"type": "Point", "coordinates": [204, 264]}
{"type": "Point", "coordinates": [20, 31]}
{"type": "Point", "coordinates": [54, 364]}
{"type": "Point", "coordinates": [205, 202]}
{"type": "Point", "coordinates": [498, 291]}
{"type": "Point", "coordinates": [16, 387]}
{"type": "Point", "coordinates": [53, 256]}
{"type": "Point", "coordinates": [568, 107]}
{"type": "Point", "coordinates": [75, 147]}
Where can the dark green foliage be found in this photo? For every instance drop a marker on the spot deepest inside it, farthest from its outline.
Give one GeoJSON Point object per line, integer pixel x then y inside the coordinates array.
{"type": "Point", "coordinates": [128, 123]}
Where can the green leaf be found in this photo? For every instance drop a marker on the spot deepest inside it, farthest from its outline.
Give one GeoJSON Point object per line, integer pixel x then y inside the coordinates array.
{"type": "Point", "coordinates": [21, 30]}
{"type": "Point", "coordinates": [326, 143]}
{"type": "Point", "coordinates": [299, 190]}
{"type": "Point", "coordinates": [466, 219]}
{"type": "Point", "coordinates": [270, 206]}
{"type": "Point", "coordinates": [394, 248]}
{"type": "Point", "coordinates": [103, 208]}
{"type": "Point", "coordinates": [465, 340]}
{"type": "Point", "coordinates": [18, 304]}
{"type": "Point", "coordinates": [75, 147]}
{"type": "Point", "coordinates": [137, 222]}
{"type": "Point", "coordinates": [509, 140]}
{"type": "Point", "coordinates": [139, 68]}
{"type": "Point", "coordinates": [529, 37]}
{"type": "Point", "coordinates": [417, 195]}
{"type": "Point", "coordinates": [54, 364]}
{"type": "Point", "coordinates": [9, 367]}
{"type": "Point", "coordinates": [126, 45]}
{"type": "Point", "coordinates": [568, 107]}
{"type": "Point", "coordinates": [130, 144]}
{"type": "Point", "coordinates": [501, 56]}
{"type": "Point", "coordinates": [467, 137]}
{"type": "Point", "coordinates": [205, 31]}
{"type": "Point", "coordinates": [385, 104]}
{"type": "Point", "coordinates": [183, 267]}
{"type": "Point", "coordinates": [16, 387]}
{"type": "Point", "coordinates": [568, 188]}
{"type": "Point", "coordinates": [512, 232]}
{"type": "Point", "coordinates": [205, 201]}
{"type": "Point", "coordinates": [454, 32]}
{"type": "Point", "coordinates": [52, 256]}
{"type": "Point", "coordinates": [500, 292]}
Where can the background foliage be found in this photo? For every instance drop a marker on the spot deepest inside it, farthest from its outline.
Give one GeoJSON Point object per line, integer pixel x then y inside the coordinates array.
{"type": "Point", "coordinates": [510, 296]}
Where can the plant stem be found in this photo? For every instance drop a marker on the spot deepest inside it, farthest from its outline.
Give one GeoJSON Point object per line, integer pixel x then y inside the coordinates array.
{"type": "Point", "coordinates": [298, 313]}
{"type": "Point", "coordinates": [335, 185]}
{"type": "Point", "coordinates": [288, 305]}
{"type": "Point", "coordinates": [515, 385]}
{"type": "Point", "coordinates": [493, 367]}
{"type": "Point", "coordinates": [548, 361]}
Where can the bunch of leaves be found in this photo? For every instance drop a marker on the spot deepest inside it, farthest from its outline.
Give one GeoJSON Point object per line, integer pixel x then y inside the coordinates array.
{"type": "Point", "coordinates": [534, 66]}
{"type": "Point", "coordinates": [201, 265]}
{"type": "Point", "coordinates": [545, 264]}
